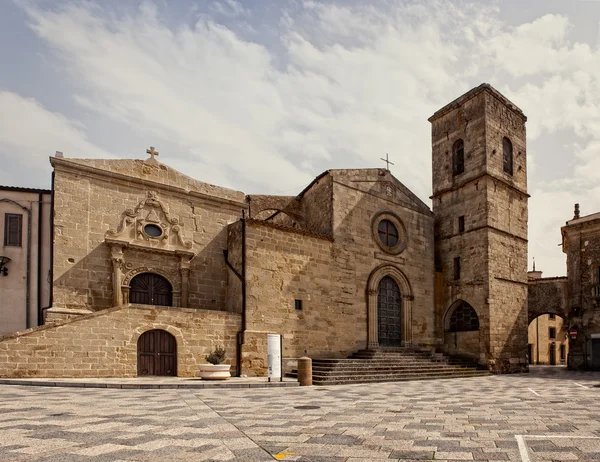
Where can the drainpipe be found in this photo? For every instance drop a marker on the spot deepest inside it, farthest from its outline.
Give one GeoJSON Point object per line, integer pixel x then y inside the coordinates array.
{"type": "Point", "coordinates": [28, 276]}
{"type": "Point", "coordinates": [39, 259]}
{"type": "Point", "coordinates": [241, 335]}
{"type": "Point", "coordinates": [51, 272]}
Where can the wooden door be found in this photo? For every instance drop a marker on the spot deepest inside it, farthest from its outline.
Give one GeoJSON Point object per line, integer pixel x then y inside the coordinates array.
{"type": "Point", "coordinates": [150, 289]}
{"type": "Point", "coordinates": [552, 352]}
{"type": "Point", "coordinates": [389, 308]}
{"type": "Point", "coordinates": [157, 353]}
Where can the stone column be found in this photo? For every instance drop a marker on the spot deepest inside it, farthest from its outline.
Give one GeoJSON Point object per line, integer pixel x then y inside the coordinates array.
{"type": "Point", "coordinates": [372, 333]}
{"type": "Point", "coordinates": [184, 271]}
{"type": "Point", "coordinates": [116, 256]}
{"type": "Point", "coordinates": [407, 320]}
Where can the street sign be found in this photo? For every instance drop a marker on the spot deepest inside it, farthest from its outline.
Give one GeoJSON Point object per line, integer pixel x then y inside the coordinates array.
{"type": "Point", "coordinates": [573, 333]}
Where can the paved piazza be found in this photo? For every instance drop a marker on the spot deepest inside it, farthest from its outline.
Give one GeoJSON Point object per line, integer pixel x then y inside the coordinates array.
{"type": "Point", "coordinates": [550, 414]}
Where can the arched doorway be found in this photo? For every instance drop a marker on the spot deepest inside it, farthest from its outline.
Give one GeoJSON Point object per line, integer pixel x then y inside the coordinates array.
{"type": "Point", "coordinates": [150, 289]}
{"type": "Point", "coordinates": [157, 353]}
{"type": "Point", "coordinates": [547, 340]}
{"type": "Point", "coordinates": [389, 313]}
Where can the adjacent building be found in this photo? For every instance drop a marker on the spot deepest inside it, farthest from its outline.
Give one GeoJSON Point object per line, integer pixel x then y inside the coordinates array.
{"type": "Point", "coordinates": [25, 248]}
{"type": "Point", "coordinates": [581, 243]}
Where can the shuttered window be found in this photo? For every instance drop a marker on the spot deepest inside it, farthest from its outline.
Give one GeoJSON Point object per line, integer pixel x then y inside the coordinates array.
{"type": "Point", "coordinates": [13, 229]}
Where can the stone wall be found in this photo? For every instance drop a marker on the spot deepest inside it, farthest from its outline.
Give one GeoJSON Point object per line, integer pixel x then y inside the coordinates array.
{"type": "Point", "coordinates": [317, 206]}
{"type": "Point", "coordinates": [283, 266]}
{"type": "Point", "coordinates": [464, 344]}
{"type": "Point", "coordinates": [546, 295]}
{"type": "Point", "coordinates": [90, 201]}
{"type": "Point", "coordinates": [104, 344]}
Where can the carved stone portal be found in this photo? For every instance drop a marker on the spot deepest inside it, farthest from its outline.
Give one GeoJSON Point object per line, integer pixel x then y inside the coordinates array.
{"type": "Point", "coordinates": [149, 227]}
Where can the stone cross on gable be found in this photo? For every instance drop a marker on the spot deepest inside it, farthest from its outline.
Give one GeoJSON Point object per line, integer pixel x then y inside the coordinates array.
{"type": "Point", "coordinates": [387, 161]}
{"type": "Point", "coordinates": [152, 152]}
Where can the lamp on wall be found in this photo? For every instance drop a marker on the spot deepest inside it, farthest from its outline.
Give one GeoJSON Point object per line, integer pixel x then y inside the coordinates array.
{"type": "Point", "coordinates": [3, 268]}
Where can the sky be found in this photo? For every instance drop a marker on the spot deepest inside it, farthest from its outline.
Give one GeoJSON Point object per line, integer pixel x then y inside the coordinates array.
{"type": "Point", "coordinates": [261, 96]}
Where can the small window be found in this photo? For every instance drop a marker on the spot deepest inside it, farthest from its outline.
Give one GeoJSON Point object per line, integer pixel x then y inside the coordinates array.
{"type": "Point", "coordinates": [456, 268]}
{"type": "Point", "coordinates": [552, 332]}
{"type": "Point", "coordinates": [507, 156]}
{"type": "Point", "coordinates": [13, 229]}
{"type": "Point", "coordinates": [153, 230]}
{"type": "Point", "coordinates": [298, 305]}
{"type": "Point", "coordinates": [461, 224]}
{"type": "Point", "coordinates": [388, 233]}
{"type": "Point", "coordinates": [458, 158]}
{"type": "Point", "coordinates": [551, 316]}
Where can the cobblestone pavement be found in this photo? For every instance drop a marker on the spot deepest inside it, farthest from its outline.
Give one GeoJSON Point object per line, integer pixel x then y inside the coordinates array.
{"type": "Point", "coordinates": [550, 414]}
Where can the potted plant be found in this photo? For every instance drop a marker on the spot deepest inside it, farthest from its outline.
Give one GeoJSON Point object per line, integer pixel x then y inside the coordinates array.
{"type": "Point", "coordinates": [215, 370]}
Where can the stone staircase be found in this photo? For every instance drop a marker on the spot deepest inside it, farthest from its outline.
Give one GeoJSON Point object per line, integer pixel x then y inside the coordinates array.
{"type": "Point", "coordinates": [390, 365]}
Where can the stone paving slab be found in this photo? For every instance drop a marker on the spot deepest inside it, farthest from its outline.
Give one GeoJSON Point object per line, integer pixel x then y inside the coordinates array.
{"type": "Point", "coordinates": [158, 383]}
{"type": "Point", "coordinates": [550, 414]}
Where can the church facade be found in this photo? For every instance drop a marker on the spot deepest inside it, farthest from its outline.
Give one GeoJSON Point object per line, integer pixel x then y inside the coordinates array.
{"type": "Point", "coordinates": [145, 257]}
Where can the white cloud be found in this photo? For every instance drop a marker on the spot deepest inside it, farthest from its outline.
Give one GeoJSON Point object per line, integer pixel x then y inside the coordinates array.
{"type": "Point", "coordinates": [351, 83]}
{"type": "Point", "coordinates": [29, 134]}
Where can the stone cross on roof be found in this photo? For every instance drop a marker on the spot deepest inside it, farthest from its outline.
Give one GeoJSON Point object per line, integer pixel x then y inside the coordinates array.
{"type": "Point", "coordinates": [387, 161]}
{"type": "Point", "coordinates": [152, 152]}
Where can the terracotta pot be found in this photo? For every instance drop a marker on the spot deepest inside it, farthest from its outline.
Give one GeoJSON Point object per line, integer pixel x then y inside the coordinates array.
{"type": "Point", "coordinates": [215, 371]}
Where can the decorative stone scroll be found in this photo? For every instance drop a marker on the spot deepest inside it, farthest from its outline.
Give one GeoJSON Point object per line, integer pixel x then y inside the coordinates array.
{"type": "Point", "coordinates": [149, 224]}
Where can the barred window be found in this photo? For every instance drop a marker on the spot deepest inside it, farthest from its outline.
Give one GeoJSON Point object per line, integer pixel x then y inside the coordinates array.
{"type": "Point", "coordinates": [463, 318]}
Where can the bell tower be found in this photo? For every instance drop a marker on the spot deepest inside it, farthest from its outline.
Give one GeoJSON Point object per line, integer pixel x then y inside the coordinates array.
{"type": "Point", "coordinates": [480, 207]}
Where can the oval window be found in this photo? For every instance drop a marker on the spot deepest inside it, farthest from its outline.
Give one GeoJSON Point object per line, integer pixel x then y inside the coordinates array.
{"type": "Point", "coordinates": [153, 230]}
{"type": "Point", "coordinates": [388, 233]}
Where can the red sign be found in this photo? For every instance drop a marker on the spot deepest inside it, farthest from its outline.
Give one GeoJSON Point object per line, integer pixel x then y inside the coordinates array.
{"type": "Point", "coordinates": [573, 333]}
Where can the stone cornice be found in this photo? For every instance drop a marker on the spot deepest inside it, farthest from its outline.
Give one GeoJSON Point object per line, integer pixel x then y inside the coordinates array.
{"type": "Point", "coordinates": [479, 177]}
{"type": "Point", "coordinates": [97, 173]}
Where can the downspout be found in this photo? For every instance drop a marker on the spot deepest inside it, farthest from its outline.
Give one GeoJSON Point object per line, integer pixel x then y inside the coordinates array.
{"type": "Point", "coordinates": [51, 271]}
{"type": "Point", "coordinates": [28, 277]}
{"type": "Point", "coordinates": [39, 259]}
{"type": "Point", "coordinates": [242, 339]}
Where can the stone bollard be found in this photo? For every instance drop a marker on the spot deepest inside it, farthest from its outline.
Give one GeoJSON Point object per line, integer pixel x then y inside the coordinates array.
{"type": "Point", "coordinates": [305, 371]}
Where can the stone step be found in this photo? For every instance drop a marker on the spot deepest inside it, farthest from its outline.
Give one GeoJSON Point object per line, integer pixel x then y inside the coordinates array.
{"type": "Point", "coordinates": [395, 378]}
{"type": "Point", "coordinates": [368, 369]}
{"type": "Point", "coordinates": [390, 365]}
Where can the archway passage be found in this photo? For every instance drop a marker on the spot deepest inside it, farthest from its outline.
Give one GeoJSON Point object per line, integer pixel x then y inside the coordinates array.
{"type": "Point", "coordinates": [150, 289]}
{"type": "Point", "coordinates": [157, 353]}
{"type": "Point", "coordinates": [389, 309]}
{"type": "Point", "coordinates": [547, 340]}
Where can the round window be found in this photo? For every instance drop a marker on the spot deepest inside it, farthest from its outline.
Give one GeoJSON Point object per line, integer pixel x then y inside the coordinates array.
{"type": "Point", "coordinates": [388, 233]}
{"type": "Point", "coordinates": [153, 230]}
